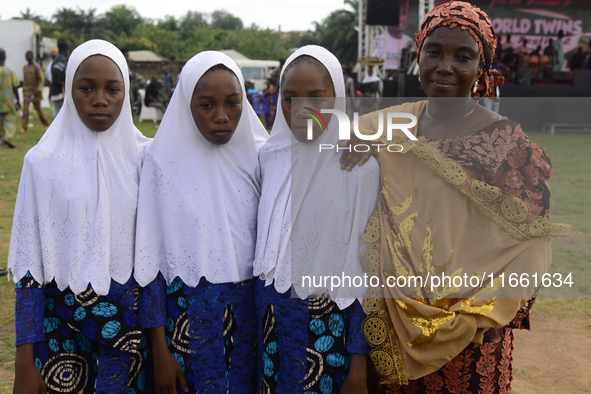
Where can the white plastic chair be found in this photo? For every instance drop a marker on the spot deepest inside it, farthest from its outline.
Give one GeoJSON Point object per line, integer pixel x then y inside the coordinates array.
{"type": "Point", "coordinates": [148, 113]}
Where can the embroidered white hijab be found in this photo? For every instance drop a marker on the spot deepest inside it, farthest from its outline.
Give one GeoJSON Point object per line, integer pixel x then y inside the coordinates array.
{"type": "Point", "coordinates": [198, 201]}
{"type": "Point", "coordinates": [75, 212]}
{"type": "Point", "coordinates": [312, 213]}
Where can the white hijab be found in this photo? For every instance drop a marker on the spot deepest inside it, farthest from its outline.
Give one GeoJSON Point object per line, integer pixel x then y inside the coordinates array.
{"type": "Point", "coordinates": [198, 201]}
{"type": "Point", "coordinates": [74, 219]}
{"type": "Point", "coordinates": [327, 206]}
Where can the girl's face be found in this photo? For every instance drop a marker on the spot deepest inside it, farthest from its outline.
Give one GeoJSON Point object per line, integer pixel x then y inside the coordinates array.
{"type": "Point", "coordinates": [449, 63]}
{"type": "Point", "coordinates": [305, 86]}
{"type": "Point", "coordinates": [98, 92]}
{"type": "Point", "coordinates": [216, 105]}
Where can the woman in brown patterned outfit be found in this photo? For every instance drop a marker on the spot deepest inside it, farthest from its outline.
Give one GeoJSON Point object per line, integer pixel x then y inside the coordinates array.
{"type": "Point", "coordinates": [469, 198]}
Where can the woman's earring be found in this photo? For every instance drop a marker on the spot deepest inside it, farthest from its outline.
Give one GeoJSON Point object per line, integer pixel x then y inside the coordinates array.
{"type": "Point", "coordinates": [475, 88]}
{"type": "Point", "coordinates": [419, 73]}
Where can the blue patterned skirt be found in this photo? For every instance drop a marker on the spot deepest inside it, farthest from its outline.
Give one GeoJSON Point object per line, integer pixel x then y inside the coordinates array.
{"type": "Point", "coordinates": [305, 345]}
{"type": "Point", "coordinates": [82, 343]}
{"type": "Point", "coordinates": [211, 331]}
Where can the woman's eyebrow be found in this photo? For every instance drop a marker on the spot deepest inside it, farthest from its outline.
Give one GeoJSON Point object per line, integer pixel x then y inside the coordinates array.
{"type": "Point", "coordinates": [85, 79]}
{"type": "Point", "coordinates": [469, 49]}
{"type": "Point", "coordinates": [89, 79]}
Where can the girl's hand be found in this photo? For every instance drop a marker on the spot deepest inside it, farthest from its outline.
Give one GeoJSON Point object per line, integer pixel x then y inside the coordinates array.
{"type": "Point", "coordinates": [167, 371]}
{"type": "Point", "coordinates": [356, 382]}
{"type": "Point", "coordinates": [27, 379]}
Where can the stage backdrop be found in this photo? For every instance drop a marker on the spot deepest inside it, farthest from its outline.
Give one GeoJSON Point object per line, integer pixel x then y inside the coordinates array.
{"type": "Point", "coordinates": [538, 21]}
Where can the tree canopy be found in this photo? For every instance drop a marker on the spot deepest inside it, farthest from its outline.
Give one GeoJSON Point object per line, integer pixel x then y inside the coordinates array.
{"type": "Point", "coordinates": [180, 39]}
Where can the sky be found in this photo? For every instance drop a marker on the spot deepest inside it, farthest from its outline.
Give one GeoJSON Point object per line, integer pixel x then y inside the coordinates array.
{"type": "Point", "coordinates": [290, 15]}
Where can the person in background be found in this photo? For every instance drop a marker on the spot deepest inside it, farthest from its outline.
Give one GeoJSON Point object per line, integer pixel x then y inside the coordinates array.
{"type": "Point", "coordinates": [8, 92]}
{"type": "Point", "coordinates": [511, 60]}
{"type": "Point", "coordinates": [350, 91]}
{"type": "Point", "coordinates": [535, 57]}
{"type": "Point", "coordinates": [271, 93]}
{"type": "Point", "coordinates": [577, 61]}
{"type": "Point", "coordinates": [507, 44]}
{"type": "Point", "coordinates": [549, 54]}
{"type": "Point", "coordinates": [523, 53]}
{"type": "Point", "coordinates": [162, 92]}
{"type": "Point", "coordinates": [137, 82]}
{"type": "Point", "coordinates": [58, 77]}
{"type": "Point", "coordinates": [251, 89]}
{"type": "Point", "coordinates": [558, 52]}
{"type": "Point", "coordinates": [153, 99]}
{"type": "Point", "coordinates": [32, 91]}
{"type": "Point", "coordinates": [349, 82]}
{"type": "Point", "coordinates": [168, 81]}
{"type": "Point", "coordinates": [277, 72]}
{"type": "Point", "coordinates": [371, 86]}
{"type": "Point", "coordinates": [53, 53]}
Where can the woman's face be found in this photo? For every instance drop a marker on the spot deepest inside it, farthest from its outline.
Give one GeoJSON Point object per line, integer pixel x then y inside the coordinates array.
{"type": "Point", "coordinates": [98, 92]}
{"type": "Point", "coordinates": [305, 86]}
{"type": "Point", "coordinates": [449, 63]}
{"type": "Point", "coordinates": [216, 105]}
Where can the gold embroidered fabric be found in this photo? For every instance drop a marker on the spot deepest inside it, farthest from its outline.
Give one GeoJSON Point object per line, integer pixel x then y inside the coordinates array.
{"type": "Point", "coordinates": [435, 219]}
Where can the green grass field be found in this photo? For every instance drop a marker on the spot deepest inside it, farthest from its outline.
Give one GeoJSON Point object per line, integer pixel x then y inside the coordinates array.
{"type": "Point", "coordinates": [571, 203]}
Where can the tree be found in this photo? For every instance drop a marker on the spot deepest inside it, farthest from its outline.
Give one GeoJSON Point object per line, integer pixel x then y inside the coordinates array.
{"type": "Point", "coordinates": [122, 18]}
{"type": "Point", "coordinates": [81, 25]}
{"type": "Point", "coordinates": [337, 33]}
{"type": "Point", "coordinates": [169, 23]}
{"type": "Point", "coordinates": [189, 24]}
{"type": "Point", "coordinates": [28, 15]}
{"type": "Point", "coordinates": [224, 20]}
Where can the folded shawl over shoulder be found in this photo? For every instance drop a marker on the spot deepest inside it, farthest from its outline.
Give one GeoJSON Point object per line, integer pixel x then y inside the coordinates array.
{"type": "Point", "coordinates": [198, 201]}
{"type": "Point", "coordinates": [312, 213]}
{"type": "Point", "coordinates": [75, 212]}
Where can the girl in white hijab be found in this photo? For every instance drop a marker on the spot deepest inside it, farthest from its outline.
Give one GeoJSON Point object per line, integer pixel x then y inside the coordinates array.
{"type": "Point", "coordinates": [196, 232]}
{"type": "Point", "coordinates": [311, 217]}
{"type": "Point", "coordinates": [72, 243]}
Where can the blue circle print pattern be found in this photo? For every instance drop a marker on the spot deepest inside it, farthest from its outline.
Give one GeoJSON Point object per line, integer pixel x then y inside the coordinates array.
{"type": "Point", "coordinates": [328, 361]}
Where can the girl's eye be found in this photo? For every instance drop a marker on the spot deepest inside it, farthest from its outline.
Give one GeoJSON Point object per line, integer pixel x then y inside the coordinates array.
{"type": "Point", "coordinates": [290, 100]}
{"type": "Point", "coordinates": [317, 100]}
{"type": "Point", "coordinates": [113, 90]}
{"type": "Point", "coordinates": [206, 105]}
{"type": "Point", "coordinates": [233, 103]}
{"type": "Point", "coordinates": [85, 89]}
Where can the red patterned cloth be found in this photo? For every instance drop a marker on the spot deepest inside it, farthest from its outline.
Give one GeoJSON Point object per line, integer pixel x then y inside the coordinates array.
{"type": "Point", "coordinates": [502, 155]}
{"type": "Point", "coordinates": [476, 22]}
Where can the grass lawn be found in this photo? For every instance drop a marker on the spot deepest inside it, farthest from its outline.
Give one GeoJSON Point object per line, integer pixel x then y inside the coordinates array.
{"type": "Point", "coordinates": [571, 203]}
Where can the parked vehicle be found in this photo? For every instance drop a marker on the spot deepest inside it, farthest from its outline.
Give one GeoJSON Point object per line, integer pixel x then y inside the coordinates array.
{"type": "Point", "coordinates": [257, 70]}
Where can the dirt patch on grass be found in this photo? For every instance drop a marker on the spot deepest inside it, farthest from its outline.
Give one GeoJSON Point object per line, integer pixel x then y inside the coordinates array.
{"type": "Point", "coordinates": [553, 357]}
